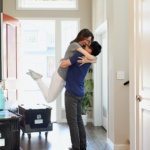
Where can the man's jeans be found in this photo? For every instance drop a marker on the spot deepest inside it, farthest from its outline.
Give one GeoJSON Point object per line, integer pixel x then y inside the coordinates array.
{"type": "Point", "coordinates": [75, 122]}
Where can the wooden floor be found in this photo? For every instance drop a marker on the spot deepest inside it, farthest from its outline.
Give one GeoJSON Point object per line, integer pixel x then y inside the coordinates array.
{"type": "Point", "coordinates": [59, 139]}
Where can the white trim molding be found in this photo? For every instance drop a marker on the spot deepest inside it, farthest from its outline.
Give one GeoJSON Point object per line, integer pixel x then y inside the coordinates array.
{"type": "Point", "coordinates": [118, 146]}
{"type": "Point", "coordinates": [46, 5]}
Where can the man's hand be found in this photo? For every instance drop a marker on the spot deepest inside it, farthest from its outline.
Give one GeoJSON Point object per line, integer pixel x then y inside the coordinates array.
{"type": "Point", "coordinates": [82, 60]}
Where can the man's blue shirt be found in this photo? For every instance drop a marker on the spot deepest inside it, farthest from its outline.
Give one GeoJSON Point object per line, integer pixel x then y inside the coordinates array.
{"type": "Point", "coordinates": [76, 75]}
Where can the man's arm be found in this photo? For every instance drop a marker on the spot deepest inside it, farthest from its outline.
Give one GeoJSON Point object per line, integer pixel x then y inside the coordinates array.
{"type": "Point", "coordinates": [86, 54]}
{"type": "Point", "coordinates": [71, 60]}
{"type": "Point", "coordinates": [65, 63]}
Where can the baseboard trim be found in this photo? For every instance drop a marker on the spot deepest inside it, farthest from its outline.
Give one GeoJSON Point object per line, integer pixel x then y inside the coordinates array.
{"type": "Point", "coordinates": [118, 146]}
{"type": "Point", "coordinates": [110, 143]}
{"type": "Point", "coordinates": [122, 147]}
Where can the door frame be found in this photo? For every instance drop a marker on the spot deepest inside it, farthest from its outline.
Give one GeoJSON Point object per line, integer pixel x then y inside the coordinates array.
{"type": "Point", "coordinates": [97, 104]}
{"type": "Point", "coordinates": [1, 10]}
{"type": "Point", "coordinates": [1, 44]}
{"type": "Point", "coordinates": [133, 47]}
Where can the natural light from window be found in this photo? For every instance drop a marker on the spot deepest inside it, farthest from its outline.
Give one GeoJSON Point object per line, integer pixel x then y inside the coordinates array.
{"type": "Point", "coordinates": [37, 53]}
{"type": "Point", "coordinates": [46, 4]}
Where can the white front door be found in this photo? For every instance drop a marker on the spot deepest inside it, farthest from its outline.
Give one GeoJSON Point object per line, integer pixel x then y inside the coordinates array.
{"type": "Point", "coordinates": [140, 75]}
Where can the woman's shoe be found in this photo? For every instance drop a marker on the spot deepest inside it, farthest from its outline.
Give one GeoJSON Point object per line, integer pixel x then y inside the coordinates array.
{"type": "Point", "coordinates": [34, 74]}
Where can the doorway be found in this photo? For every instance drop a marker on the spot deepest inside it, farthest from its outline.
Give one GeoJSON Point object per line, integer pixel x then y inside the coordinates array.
{"type": "Point", "coordinates": [101, 78]}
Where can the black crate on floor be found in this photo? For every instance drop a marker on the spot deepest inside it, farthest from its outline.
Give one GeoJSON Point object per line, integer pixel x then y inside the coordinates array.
{"type": "Point", "coordinates": [35, 118]}
{"type": "Point", "coordinates": [9, 131]}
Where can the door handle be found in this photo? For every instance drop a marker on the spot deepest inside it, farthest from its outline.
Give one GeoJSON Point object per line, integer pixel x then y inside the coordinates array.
{"type": "Point", "coordinates": [139, 98]}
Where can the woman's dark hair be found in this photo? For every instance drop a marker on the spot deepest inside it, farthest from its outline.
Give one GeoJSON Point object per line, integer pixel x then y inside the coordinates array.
{"type": "Point", "coordinates": [96, 48]}
{"type": "Point", "coordinates": [84, 33]}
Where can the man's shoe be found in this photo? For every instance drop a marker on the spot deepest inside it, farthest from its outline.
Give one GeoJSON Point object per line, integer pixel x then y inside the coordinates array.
{"type": "Point", "coordinates": [34, 74]}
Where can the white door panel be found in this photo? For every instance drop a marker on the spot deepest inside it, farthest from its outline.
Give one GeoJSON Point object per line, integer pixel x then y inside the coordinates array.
{"type": "Point", "coordinates": [146, 122]}
{"type": "Point", "coordinates": [144, 76]}
{"type": "Point", "coordinates": [140, 83]}
{"type": "Point", "coordinates": [104, 82]}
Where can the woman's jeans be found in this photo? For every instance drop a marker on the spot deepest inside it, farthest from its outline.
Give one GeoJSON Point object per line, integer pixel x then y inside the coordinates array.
{"type": "Point", "coordinates": [75, 122]}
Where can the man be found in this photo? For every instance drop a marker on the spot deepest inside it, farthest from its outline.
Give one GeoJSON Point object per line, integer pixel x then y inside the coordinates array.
{"type": "Point", "coordinates": [75, 93]}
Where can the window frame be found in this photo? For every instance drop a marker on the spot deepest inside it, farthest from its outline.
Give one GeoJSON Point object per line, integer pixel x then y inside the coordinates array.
{"type": "Point", "coordinates": [50, 8]}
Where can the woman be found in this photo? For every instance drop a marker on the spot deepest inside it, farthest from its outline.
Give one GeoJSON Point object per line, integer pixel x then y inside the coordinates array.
{"type": "Point", "coordinates": [84, 37]}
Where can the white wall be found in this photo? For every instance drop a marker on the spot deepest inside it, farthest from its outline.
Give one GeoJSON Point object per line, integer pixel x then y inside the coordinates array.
{"type": "Point", "coordinates": [116, 14]}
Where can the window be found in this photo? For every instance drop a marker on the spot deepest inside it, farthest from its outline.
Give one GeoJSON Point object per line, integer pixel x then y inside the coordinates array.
{"type": "Point", "coordinates": [69, 30]}
{"type": "Point", "coordinates": [46, 4]}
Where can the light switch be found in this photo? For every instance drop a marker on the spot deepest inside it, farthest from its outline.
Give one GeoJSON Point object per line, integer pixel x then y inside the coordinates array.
{"type": "Point", "coordinates": [120, 74]}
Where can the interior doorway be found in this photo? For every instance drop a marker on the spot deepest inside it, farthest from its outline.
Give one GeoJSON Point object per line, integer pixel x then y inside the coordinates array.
{"type": "Point", "coordinates": [101, 78]}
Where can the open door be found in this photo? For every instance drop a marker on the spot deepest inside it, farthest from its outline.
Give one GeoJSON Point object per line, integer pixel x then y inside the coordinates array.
{"type": "Point", "coordinates": [140, 75]}
{"type": "Point", "coordinates": [9, 55]}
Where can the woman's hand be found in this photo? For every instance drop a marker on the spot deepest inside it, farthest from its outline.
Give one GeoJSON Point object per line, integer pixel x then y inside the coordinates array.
{"type": "Point", "coordinates": [62, 59]}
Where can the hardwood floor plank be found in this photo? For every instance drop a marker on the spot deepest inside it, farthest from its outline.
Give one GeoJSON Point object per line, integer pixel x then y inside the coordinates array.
{"type": "Point", "coordinates": [59, 139]}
